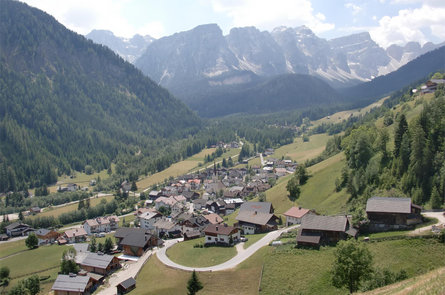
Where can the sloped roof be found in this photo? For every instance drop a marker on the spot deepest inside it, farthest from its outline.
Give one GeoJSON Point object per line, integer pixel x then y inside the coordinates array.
{"type": "Point", "coordinates": [388, 205]}
{"type": "Point", "coordinates": [97, 260]}
{"type": "Point", "coordinates": [137, 237]}
{"type": "Point", "coordinates": [221, 229]}
{"type": "Point", "coordinates": [164, 224]}
{"type": "Point", "coordinates": [16, 225]}
{"type": "Point", "coordinates": [296, 212]}
{"type": "Point", "coordinates": [255, 217]}
{"type": "Point", "coordinates": [42, 232]}
{"type": "Point", "coordinates": [128, 283]}
{"type": "Point", "coordinates": [75, 232]}
{"type": "Point", "coordinates": [214, 218]}
{"type": "Point", "coordinates": [91, 222]}
{"type": "Point", "coordinates": [259, 207]}
{"type": "Point", "coordinates": [327, 223]}
{"type": "Point", "coordinates": [72, 284]}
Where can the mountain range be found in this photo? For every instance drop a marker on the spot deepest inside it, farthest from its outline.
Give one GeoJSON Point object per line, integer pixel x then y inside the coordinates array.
{"type": "Point", "coordinates": [204, 53]}
{"type": "Point", "coordinates": [128, 48]}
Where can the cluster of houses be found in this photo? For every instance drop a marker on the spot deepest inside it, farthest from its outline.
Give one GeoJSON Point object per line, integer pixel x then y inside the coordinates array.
{"type": "Point", "coordinates": [430, 86]}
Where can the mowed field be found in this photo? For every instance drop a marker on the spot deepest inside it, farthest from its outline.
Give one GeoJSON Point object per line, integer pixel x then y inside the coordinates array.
{"type": "Point", "coordinates": [185, 254]}
{"type": "Point", "coordinates": [300, 151]}
{"type": "Point", "coordinates": [156, 278]}
{"type": "Point", "coordinates": [56, 211]}
{"type": "Point", "coordinates": [43, 261]}
{"type": "Point", "coordinates": [344, 115]}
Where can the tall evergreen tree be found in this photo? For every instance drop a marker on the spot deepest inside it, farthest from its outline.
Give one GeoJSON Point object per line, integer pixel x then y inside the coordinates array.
{"type": "Point", "coordinates": [401, 129]}
{"type": "Point", "coordinates": [193, 284]}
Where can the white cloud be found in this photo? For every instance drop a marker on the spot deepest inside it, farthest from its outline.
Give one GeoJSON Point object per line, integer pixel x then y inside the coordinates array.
{"type": "Point", "coordinates": [266, 14]}
{"type": "Point", "coordinates": [355, 8]}
{"type": "Point", "coordinates": [82, 16]}
{"type": "Point", "coordinates": [411, 25]}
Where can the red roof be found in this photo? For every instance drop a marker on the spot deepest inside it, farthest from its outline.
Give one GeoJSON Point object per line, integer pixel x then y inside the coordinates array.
{"type": "Point", "coordinates": [296, 212]}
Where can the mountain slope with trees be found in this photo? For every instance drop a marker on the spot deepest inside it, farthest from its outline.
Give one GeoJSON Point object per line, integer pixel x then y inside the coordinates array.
{"type": "Point", "coordinates": [279, 93]}
{"type": "Point", "coordinates": [66, 102]}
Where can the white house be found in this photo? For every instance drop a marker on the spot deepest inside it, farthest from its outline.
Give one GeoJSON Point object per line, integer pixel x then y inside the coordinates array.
{"type": "Point", "coordinates": [148, 219]}
{"type": "Point", "coordinates": [221, 234]}
{"type": "Point", "coordinates": [295, 214]}
{"type": "Point", "coordinates": [101, 224]}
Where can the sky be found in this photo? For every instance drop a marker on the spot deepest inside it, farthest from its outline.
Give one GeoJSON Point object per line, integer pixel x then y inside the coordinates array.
{"type": "Point", "coordinates": [388, 21]}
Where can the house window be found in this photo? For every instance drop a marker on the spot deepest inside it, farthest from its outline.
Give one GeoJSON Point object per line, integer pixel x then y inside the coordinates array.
{"type": "Point", "coordinates": [209, 238]}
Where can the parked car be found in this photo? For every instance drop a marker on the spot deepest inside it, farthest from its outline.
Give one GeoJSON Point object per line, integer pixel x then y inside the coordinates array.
{"type": "Point", "coordinates": [243, 239]}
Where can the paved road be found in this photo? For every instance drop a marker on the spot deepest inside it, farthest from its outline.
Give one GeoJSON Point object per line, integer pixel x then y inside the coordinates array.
{"type": "Point", "coordinates": [242, 255]}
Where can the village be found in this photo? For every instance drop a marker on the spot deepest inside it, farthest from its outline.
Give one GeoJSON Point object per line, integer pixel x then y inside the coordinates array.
{"type": "Point", "coordinates": [197, 205]}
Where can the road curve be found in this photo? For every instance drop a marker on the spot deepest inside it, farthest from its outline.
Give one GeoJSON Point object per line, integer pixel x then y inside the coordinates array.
{"type": "Point", "coordinates": [242, 255]}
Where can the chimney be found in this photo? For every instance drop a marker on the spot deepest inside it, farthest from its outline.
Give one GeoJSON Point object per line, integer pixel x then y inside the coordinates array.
{"type": "Point", "coordinates": [299, 207]}
{"type": "Point", "coordinates": [225, 224]}
{"type": "Point", "coordinates": [216, 228]}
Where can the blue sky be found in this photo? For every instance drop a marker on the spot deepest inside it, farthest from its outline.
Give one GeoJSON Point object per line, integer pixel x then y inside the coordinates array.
{"type": "Point", "coordinates": [388, 21]}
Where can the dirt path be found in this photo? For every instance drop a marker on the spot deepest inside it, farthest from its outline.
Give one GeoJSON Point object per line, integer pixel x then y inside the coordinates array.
{"type": "Point", "coordinates": [440, 217]}
{"type": "Point", "coordinates": [242, 255]}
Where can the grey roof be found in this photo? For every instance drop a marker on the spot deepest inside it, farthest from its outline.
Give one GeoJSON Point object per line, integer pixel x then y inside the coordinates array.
{"type": "Point", "coordinates": [164, 224]}
{"type": "Point", "coordinates": [388, 205]}
{"type": "Point", "coordinates": [259, 207]}
{"type": "Point", "coordinates": [97, 260]}
{"type": "Point", "coordinates": [254, 217]}
{"type": "Point", "coordinates": [128, 283]}
{"type": "Point", "coordinates": [137, 237]}
{"type": "Point", "coordinates": [42, 232]}
{"type": "Point", "coordinates": [73, 284]}
{"type": "Point", "coordinates": [16, 225]}
{"type": "Point", "coordinates": [327, 223]}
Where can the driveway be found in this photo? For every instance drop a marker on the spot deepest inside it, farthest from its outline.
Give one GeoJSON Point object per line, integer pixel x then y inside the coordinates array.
{"type": "Point", "coordinates": [440, 217]}
{"type": "Point", "coordinates": [242, 255]}
{"type": "Point", "coordinates": [129, 269]}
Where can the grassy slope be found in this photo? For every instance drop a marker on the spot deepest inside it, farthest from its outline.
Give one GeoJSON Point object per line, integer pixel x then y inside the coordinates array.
{"type": "Point", "coordinates": [344, 115]}
{"type": "Point", "coordinates": [318, 193]}
{"type": "Point", "coordinates": [156, 278]}
{"type": "Point", "coordinates": [42, 261]}
{"type": "Point", "coordinates": [12, 248]}
{"type": "Point", "coordinates": [301, 151]}
{"type": "Point", "coordinates": [299, 271]}
{"type": "Point", "coordinates": [185, 254]}
{"type": "Point", "coordinates": [431, 283]}
{"type": "Point", "coordinates": [56, 211]}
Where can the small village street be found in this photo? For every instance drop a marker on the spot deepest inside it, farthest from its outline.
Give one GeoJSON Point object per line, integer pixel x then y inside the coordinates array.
{"type": "Point", "coordinates": [242, 255]}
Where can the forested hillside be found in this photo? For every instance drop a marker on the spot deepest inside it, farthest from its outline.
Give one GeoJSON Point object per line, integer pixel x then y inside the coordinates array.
{"type": "Point", "coordinates": [402, 154]}
{"type": "Point", "coordinates": [277, 94]}
{"type": "Point", "coordinates": [66, 102]}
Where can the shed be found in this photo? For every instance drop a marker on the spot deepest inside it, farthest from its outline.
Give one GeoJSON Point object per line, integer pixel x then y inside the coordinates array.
{"type": "Point", "coordinates": [126, 286]}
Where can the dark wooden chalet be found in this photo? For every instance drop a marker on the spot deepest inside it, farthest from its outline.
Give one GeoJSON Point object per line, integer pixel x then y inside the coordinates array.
{"type": "Point", "coordinates": [392, 213]}
{"type": "Point", "coordinates": [318, 230]}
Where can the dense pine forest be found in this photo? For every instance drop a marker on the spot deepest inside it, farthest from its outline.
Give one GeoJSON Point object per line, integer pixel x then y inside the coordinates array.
{"type": "Point", "coordinates": [404, 158]}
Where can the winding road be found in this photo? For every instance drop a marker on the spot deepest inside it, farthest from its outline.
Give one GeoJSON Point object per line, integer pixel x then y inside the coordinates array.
{"type": "Point", "coordinates": [242, 255]}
